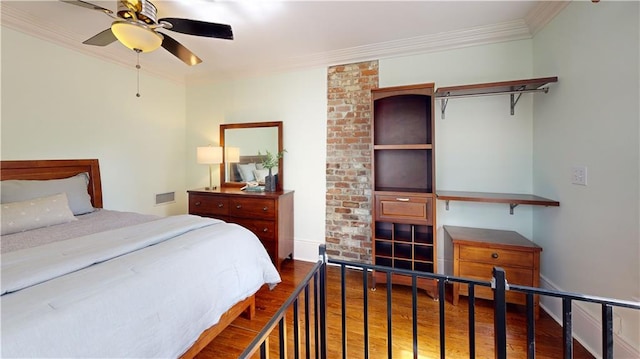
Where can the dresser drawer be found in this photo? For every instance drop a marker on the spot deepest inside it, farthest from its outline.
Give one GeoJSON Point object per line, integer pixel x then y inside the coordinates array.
{"type": "Point", "coordinates": [404, 209]}
{"type": "Point", "coordinates": [211, 206]}
{"type": "Point", "coordinates": [252, 208]}
{"type": "Point", "coordinates": [265, 230]}
{"type": "Point", "coordinates": [496, 256]}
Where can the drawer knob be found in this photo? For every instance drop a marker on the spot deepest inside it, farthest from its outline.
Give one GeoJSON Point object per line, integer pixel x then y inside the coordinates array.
{"type": "Point", "coordinates": [197, 203]}
{"type": "Point", "coordinates": [265, 230]}
{"type": "Point", "coordinates": [265, 209]}
{"type": "Point", "coordinates": [238, 206]}
{"type": "Point", "coordinates": [494, 255]}
{"type": "Point", "coordinates": [220, 205]}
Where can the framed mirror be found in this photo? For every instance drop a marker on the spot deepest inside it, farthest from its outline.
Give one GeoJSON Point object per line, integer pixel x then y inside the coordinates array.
{"type": "Point", "coordinates": [244, 146]}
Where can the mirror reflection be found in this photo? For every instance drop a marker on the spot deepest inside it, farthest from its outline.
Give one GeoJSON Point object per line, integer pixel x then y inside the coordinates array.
{"type": "Point", "coordinates": [245, 144]}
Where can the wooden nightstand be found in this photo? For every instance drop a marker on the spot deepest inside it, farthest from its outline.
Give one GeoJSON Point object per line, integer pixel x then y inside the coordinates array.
{"type": "Point", "coordinates": [475, 251]}
{"type": "Point", "coordinates": [269, 215]}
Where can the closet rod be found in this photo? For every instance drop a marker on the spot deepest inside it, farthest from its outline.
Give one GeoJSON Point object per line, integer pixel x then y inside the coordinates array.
{"type": "Point", "coordinates": [446, 96]}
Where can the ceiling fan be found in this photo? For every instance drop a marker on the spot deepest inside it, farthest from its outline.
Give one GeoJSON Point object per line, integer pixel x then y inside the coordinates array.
{"type": "Point", "coordinates": [135, 25]}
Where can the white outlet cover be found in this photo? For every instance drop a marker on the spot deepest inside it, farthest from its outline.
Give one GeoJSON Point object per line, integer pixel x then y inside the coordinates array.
{"type": "Point", "coordinates": [579, 175]}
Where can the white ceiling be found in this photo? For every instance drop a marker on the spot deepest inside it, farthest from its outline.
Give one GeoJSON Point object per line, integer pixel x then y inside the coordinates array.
{"type": "Point", "coordinates": [281, 35]}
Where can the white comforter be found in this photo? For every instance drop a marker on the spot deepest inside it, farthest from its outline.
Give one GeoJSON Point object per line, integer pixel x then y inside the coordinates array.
{"type": "Point", "coordinates": [147, 290]}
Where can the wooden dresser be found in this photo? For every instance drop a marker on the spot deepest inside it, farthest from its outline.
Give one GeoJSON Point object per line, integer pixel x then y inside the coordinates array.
{"type": "Point", "coordinates": [267, 214]}
{"type": "Point", "coordinates": [475, 251]}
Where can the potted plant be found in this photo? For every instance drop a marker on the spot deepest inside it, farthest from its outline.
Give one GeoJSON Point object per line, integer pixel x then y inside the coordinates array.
{"type": "Point", "coordinates": [270, 161]}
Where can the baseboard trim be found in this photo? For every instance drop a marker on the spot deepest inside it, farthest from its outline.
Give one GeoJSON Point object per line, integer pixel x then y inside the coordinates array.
{"type": "Point", "coordinates": [586, 329]}
{"type": "Point", "coordinates": [306, 250]}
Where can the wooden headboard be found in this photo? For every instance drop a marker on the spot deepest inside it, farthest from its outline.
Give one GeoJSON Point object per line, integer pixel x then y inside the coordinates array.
{"type": "Point", "coordinates": [55, 169]}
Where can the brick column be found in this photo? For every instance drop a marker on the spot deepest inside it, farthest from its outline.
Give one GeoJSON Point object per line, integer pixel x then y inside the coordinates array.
{"type": "Point", "coordinates": [348, 228]}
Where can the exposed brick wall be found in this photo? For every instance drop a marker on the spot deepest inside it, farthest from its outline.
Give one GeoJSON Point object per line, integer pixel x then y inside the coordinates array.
{"type": "Point", "coordinates": [348, 228]}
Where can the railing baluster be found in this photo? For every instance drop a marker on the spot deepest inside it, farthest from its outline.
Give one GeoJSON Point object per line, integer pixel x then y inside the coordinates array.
{"type": "Point", "coordinates": [307, 337]}
{"type": "Point", "coordinates": [567, 335]}
{"type": "Point", "coordinates": [316, 317]}
{"type": "Point", "coordinates": [500, 312]}
{"type": "Point", "coordinates": [365, 296]}
{"type": "Point", "coordinates": [389, 323]}
{"type": "Point", "coordinates": [282, 343]}
{"type": "Point", "coordinates": [343, 294]}
{"type": "Point", "coordinates": [472, 321]}
{"type": "Point", "coordinates": [264, 349]}
{"type": "Point", "coordinates": [323, 306]}
{"type": "Point", "coordinates": [531, 328]}
{"type": "Point", "coordinates": [296, 330]}
{"type": "Point", "coordinates": [442, 319]}
{"type": "Point", "coordinates": [414, 309]}
{"type": "Point", "coordinates": [607, 331]}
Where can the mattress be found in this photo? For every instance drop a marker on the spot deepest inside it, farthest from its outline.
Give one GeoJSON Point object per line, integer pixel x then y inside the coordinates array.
{"type": "Point", "coordinates": [144, 290]}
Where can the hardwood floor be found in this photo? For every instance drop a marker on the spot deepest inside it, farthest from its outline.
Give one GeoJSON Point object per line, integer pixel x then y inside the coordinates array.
{"type": "Point", "coordinates": [232, 341]}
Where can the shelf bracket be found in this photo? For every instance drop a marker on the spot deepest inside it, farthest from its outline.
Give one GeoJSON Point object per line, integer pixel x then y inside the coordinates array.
{"type": "Point", "coordinates": [514, 99]}
{"type": "Point", "coordinates": [511, 207]}
{"type": "Point", "coordinates": [443, 105]}
{"type": "Point", "coordinates": [446, 205]}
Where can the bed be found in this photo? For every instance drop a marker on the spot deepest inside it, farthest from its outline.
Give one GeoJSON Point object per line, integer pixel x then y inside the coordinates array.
{"type": "Point", "coordinates": [249, 168]}
{"type": "Point", "coordinates": [132, 285]}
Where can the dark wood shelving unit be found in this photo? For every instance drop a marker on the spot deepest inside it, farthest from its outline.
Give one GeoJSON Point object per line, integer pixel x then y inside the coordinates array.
{"type": "Point", "coordinates": [403, 171]}
{"type": "Point", "coordinates": [513, 199]}
{"type": "Point", "coordinates": [513, 88]}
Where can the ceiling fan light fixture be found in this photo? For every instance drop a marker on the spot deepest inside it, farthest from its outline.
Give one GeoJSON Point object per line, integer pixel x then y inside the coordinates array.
{"type": "Point", "coordinates": [136, 36]}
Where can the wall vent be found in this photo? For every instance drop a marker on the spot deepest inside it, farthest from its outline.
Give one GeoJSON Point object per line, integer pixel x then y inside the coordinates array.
{"type": "Point", "coordinates": [163, 198]}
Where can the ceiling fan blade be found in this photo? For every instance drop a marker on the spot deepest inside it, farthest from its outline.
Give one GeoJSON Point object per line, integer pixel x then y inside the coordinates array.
{"type": "Point", "coordinates": [103, 38]}
{"type": "Point", "coordinates": [87, 5]}
{"type": "Point", "coordinates": [199, 28]}
{"type": "Point", "coordinates": [179, 51]}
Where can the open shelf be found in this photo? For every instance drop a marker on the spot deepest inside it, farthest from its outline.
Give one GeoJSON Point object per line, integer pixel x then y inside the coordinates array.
{"type": "Point", "coordinates": [513, 199]}
{"type": "Point", "coordinates": [513, 88]}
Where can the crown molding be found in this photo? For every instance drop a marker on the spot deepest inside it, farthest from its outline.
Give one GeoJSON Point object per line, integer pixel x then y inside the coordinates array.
{"type": "Point", "coordinates": [520, 29]}
{"type": "Point", "coordinates": [542, 14]}
{"type": "Point", "coordinates": [482, 35]}
{"type": "Point", "coordinates": [24, 23]}
{"type": "Point", "coordinates": [508, 31]}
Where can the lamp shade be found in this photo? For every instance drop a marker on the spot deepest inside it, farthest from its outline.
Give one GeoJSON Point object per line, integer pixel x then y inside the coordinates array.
{"type": "Point", "coordinates": [136, 36]}
{"type": "Point", "coordinates": [233, 154]}
{"type": "Point", "coordinates": [209, 155]}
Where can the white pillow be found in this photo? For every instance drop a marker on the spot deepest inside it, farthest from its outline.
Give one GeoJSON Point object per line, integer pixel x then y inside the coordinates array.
{"type": "Point", "coordinates": [75, 187]}
{"type": "Point", "coordinates": [35, 213]}
{"type": "Point", "coordinates": [260, 174]}
{"type": "Point", "coordinates": [246, 171]}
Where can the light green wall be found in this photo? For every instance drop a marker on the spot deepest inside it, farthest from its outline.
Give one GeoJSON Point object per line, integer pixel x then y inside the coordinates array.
{"type": "Point", "coordinates": [299, 100]}
{"type": "Point", "coordinates": [479, 145]}
{"type": "Point", "coordinates": [59, 104]}
{"type": "Point", "coordinates": [592, 241]}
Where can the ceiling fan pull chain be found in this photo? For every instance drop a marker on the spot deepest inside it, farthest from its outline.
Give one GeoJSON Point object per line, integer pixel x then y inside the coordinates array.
{"type": "Point", "coordinates": [138, 68]}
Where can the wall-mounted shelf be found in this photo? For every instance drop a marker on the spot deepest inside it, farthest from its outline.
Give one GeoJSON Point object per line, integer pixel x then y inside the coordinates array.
{"type": "Point", "coordinates": [513, 199]}
{"type": "Point", "coordinates": [513, 88]}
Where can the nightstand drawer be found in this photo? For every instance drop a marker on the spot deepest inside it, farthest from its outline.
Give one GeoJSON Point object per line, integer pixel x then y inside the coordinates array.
{"type": "Point", "coordinates": [252, 208]}
{"type": "Point", "coordinates": [265, 230]}
{"type": "Point", "coordinates": [520, 276]}
{"type": "Point", "coordinates": [208, 205]}
{"type": "Point", "coordinates": [404, 209]}
{"type": "Point", "coordinates": [496, 256]}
